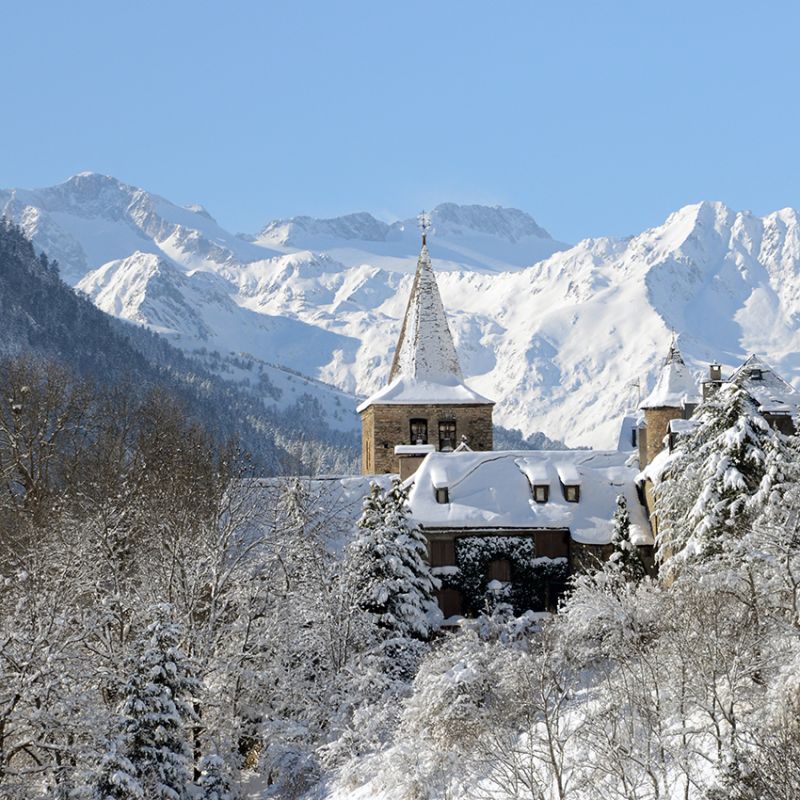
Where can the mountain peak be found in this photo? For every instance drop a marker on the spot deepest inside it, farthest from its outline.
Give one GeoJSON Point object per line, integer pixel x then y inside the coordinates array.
{"type": "Point", "coordinates": [506, 223]}
{"type": "Point", "coordinates": [360, 226]}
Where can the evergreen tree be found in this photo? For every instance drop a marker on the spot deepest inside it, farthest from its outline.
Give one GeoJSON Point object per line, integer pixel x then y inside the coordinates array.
{"type": "Point", "coordinates": [215, 782]}
{"type": "Point", "coordinates": [389, 562]}
{"type": "Point", "coordinates": [720, 479]}
{"type": "Point", "coordinates": [625, 559]}
{"type": "Point", "coordinates": [116, 777]}
{"type": "Point", "coordinates": [157, 709]}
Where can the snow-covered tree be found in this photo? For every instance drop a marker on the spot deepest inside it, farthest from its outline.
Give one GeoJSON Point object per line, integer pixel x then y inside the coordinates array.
{"type": "Point", "coordinates": [720, 478]}
{"type": "Point", "coordinates": [215, 781]}
{"type": "Point", "coordinates": [625, 558]}
{"type": "Point", "coordinates": [116, 778]}
{"type": "Point", "coordinates": [157, 710]}
{"type": "Point", "coordinates": [389, 561]}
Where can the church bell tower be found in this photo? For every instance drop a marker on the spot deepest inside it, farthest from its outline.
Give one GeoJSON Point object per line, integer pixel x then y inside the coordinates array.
{"type": "Point", "coordinates": [426, 405]}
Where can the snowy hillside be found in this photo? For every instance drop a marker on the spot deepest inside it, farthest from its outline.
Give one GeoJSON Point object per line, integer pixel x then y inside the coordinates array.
{"type": "Point", "coordinates": [556, 335]}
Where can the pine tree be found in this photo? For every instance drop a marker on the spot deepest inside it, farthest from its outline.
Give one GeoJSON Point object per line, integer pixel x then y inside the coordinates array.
{"type": "Point", "coordinates": [116, 777]}
{"type": "Point", "coordinates": [720, 479]}
{"type": "Point", "coordinates": [157, 709]}
{"type": "Point", "coordinates": [416, 604]}
{"type": "Point", "coordinates": [215, 782]}
{"type": "Point", "coordinates": [389, 557]}
{"type": "Point", "coordinates": [625, 559]}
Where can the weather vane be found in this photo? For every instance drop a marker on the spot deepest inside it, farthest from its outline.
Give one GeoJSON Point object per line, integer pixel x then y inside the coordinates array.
{"type": "Point", "coordinates": [424, 223]}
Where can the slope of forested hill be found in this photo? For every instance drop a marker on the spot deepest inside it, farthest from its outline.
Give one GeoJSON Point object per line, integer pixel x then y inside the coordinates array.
{"type": "Point", "coordinates": [41, 316]}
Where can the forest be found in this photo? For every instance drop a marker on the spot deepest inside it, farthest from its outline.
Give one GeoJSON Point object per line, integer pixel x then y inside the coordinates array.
{"type": "Point", "coordinates": [174, 626]}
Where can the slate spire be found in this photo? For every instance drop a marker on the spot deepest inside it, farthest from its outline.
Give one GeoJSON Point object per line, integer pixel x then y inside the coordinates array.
{"type": "Point", "coordinates": [425, 349]}
{"type": "Point", "coordinates": [675, 385]}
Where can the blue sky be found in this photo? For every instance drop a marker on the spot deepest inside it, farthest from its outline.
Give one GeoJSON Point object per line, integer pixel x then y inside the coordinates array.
{"type": "Point", "coordinates": [597, 118]}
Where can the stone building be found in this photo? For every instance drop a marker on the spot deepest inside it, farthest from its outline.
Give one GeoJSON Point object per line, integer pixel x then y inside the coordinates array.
{"type": "Point", "coordinates": [520, 522]}
{"type": "Point", "coordinates": [674, 397]}
{"type": "Point", "coordinates": [515, 523]}
{"type": "Point", "coordinates": [425, 406]}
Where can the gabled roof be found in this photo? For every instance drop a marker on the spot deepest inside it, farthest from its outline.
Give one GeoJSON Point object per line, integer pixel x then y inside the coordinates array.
{"type": "Point", "coordinates": [492, 491]}
{"type": "Point", "coordinates": [675, 385]}
{"type": "Point", "coordinates": [425, 367]}
{"type": "Point", "coordinates": [765, 386]}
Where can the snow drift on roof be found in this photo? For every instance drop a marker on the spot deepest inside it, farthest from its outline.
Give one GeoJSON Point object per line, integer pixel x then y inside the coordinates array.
{"type": "Point", "coordinates": [491, 490]}
{"type": "Point", "coordinates": [408, 392]}
{"type": "Point", "coordinates": [675, 385]}
{"type": "Point", "coordinates": [765, 386]}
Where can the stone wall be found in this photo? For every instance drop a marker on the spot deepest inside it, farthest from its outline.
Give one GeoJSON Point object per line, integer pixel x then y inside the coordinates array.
{"type": "Point", "coordinates": [657, 420]}
{"type": "Point", "coordinates": [384, 426]}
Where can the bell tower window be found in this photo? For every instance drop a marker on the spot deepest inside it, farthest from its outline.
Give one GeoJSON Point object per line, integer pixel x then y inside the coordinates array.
{"type": "Point", "coordinates": [419, 431]}
{"type": "Point", "coordinates": [447, 435]}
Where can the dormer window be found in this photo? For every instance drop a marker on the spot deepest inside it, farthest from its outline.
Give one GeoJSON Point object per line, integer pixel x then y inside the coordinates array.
{"type": "Point", "coordinates": [447, 435]}
{"type": "Point", "coordinates": [541, 493]}
{"type": "Point", "coordinates": [572, 494]}
{"type": "Point", "coordinates": [443, 495]}
{"type": "Point", "coordinates": [757, 374]}
{"type": "Point", "coordinates": [570, 479]}
{"type": "Point", "coordinates": [419, 431]}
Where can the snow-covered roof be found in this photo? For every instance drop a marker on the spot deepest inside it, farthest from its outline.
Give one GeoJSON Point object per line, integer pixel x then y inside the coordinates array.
{"type": "Point", "coordinates": [655, 469]}
{"type": "Point", "coordinates": [568, 474]}
{"type": "Point", "coordinates": [773, 394]}
{"type": "Point", "coordinates": [675, 385]}
{"type": "Point", "coordinates": [413, 449]}
{"type": "Point", "coordinates": [425, 367]}
{"type": "Point", "coordinates": [535, 470]}
{"type": "Point", "coordinates": [425, 349]}
{"type": "Point", "coordinates": [628, 424]}
{"type": "Point", "coordinates": [410, 392]}
{"type": "Point", "coordinates": [682, 426]}
{"type": "Point", "coordinates": [492, 490]}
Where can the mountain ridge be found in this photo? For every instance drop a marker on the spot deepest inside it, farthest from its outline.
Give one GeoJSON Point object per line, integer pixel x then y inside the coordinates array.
{"type": "Point", "coordinates": [559, 341]}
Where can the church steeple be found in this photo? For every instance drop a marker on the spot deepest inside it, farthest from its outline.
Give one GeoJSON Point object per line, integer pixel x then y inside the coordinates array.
{"type": "Point", "coordinates": [425, 405]}
{"type": "Point", "coordinates": [425, 349]}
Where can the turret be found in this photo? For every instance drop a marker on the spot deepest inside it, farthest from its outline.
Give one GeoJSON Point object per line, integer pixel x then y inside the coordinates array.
{"type": "Point", "coordinates": [674, 396]}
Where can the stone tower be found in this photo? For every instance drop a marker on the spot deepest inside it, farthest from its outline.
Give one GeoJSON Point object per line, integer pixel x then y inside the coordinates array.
{"type": "Point", "coordinates": [426, 405]}
{"type": "Point", "coordinates": [674, 396]}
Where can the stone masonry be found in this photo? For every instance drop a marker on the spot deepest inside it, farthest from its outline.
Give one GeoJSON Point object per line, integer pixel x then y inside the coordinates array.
{"type": "Point", "coordinates": [384, 426]}
{"type": "Point", "coordinates": [657, 420]}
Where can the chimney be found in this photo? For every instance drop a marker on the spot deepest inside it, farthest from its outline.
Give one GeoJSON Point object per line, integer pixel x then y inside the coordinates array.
{"type": "Point", "coordinates": [714, 380]}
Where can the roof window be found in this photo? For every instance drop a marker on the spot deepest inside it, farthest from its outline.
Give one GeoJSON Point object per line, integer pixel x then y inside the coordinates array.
{"type": "Point", "coordinates": [572, 494]}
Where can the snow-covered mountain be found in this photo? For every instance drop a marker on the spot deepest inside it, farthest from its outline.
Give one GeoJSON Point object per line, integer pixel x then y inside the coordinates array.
{"type": "Point", "coordinates": [92, 219]}
{"type": "Point", "coordinates": [557, 335]}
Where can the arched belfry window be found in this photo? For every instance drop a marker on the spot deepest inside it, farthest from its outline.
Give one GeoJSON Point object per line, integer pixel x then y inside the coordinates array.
{"type": "Point", "coordinates": [419, 431]}
{"type": "Point", "coordinates": [447, 435]}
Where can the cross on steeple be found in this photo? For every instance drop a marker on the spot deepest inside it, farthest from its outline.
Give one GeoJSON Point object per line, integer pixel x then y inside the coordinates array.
{"type": "Point", "coordinates": [424, 223]}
